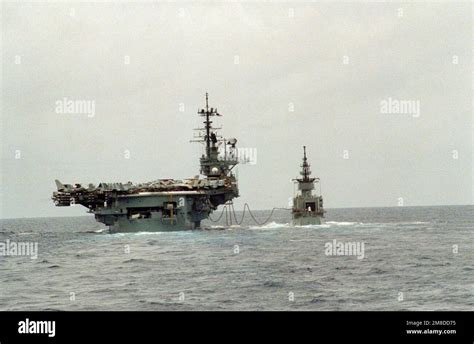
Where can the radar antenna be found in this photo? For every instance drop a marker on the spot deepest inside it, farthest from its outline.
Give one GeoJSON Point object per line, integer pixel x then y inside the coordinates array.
{"type": "Point", "coordinates": [211, 164]}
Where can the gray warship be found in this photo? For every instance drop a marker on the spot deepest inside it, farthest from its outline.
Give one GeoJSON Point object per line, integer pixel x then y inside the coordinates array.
{"type": "Point", "coordinates": [164, 204]}
{"type": "Point", "coordinates": [307, 208]}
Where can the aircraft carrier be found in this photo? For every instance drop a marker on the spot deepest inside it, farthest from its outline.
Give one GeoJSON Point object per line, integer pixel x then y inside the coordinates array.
{"type": "Point", "coordinates": [164, 204]}
{"type": "Point", "coordinates": [307, 208]}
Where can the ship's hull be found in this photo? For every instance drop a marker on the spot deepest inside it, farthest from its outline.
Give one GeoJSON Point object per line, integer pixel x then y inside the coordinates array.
{"type": "Point", "coordinates": [307, 220]}
{"type": "Point", "coordinates": [307, 209]}
{"type": "Point", "coordinates": [153, 225]}
{"type": "Point", "coordinates": [160, 211]}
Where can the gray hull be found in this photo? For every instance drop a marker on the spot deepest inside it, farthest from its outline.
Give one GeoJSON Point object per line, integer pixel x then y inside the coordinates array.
{"type": "Point", "coordinates": [308, 220]}
{"type": "Point", "coordinates": [157, 224]}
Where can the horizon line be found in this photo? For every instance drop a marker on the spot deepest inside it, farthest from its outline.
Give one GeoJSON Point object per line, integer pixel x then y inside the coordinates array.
{"type": "Point", "coordinates": [396, 206]}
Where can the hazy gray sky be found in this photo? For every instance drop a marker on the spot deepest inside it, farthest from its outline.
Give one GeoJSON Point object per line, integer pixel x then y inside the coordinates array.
{"type": "Point", "coordinates": [282, 74]}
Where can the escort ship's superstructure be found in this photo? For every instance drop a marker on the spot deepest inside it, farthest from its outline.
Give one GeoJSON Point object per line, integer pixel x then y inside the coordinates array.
{"type": "Point", "coordinates": [164, 204]}
{"type": "Point", "coordinates": [307, 208]}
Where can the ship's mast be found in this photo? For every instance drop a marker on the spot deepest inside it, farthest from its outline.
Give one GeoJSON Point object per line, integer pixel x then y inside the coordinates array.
{"type": "Point", "coordinates": [305, 172]}
{"type": "Point", "coordinates": [306, 183]}
{"type": "Point", "coordinates": [208, 123]}
{"type": "Point", "coordinates": [211, 164]}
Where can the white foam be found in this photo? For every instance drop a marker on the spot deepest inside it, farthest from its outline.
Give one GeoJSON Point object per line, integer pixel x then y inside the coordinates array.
{"type": "Point", "coordinates": [270, 225]}
{"type": "Point", "coordinates": [324, 225]}
{"type": "Point", "coordinates": [148, 233]}
{"type": "Point", "coordinates": [336, 223]}
{"type": "Point", "coordinates": [101, 230]}
{"type": "Point", "coordinates": [216, 227]}
{"type": "Point", "coordinates": [134, 234]}
{"type": "Point", "coordinates": [225, 227]}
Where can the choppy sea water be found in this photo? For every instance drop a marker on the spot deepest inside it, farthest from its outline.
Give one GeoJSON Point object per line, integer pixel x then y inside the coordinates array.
{"type": "Point", "coordinates": [415, 258]}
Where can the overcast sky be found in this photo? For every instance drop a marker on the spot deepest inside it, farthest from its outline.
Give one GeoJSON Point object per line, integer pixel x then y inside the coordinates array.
{"type": "Point", "coordinates": [282, 74]}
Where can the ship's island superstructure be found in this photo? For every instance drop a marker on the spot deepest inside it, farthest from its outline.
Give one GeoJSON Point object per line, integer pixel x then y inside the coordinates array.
{"type": "Point", "coordinates": [164, 204]}
{"type": "Point", "coordinates": [307, 208]}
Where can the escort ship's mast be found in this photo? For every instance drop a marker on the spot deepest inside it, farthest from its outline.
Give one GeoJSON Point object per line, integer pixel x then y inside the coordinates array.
{"type": "Point", "coordinates": [306, 184]}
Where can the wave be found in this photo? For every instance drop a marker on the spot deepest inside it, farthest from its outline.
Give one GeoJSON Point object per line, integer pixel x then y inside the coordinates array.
{"type": "Point", "coordinates": [324, 225]}
{"type": "Point", "coordinates": [147, 233]}
{"type": "Point", "coordinates": [101, 230]}
{"type": "Point", "coordinates": [98, 231]}
{"type": "Point", "coordinates": [372, 224]}
{"type": "Point", "coordinates": [135, 260]}
{"type": "Point", "coordinates": [275, 225]}
{"type": "Point", "coordinates": [343, 223]}
{"type": "Point", "coordinates": [27, 233]}
{"type": "Point", "coordinates": [216, 227]}
{"type": "Point", "coordinates": [273, 284]}
{"type": "Point", "coordinates": [135, 234]}
{"type": "Point", "coordinates": [270, 225]}
{"type": "Point", "coordinates": [235, 226]}
{"type": "Point", "coordinates": [221, 228]}
{"type": "Point", "coordinates": [303, 240]}
{"type": "Point", "coordinates": [329, 224]}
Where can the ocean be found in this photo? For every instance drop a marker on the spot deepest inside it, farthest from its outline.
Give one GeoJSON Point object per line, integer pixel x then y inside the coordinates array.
{"type": "Point", "coordinates": [403, 258]}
